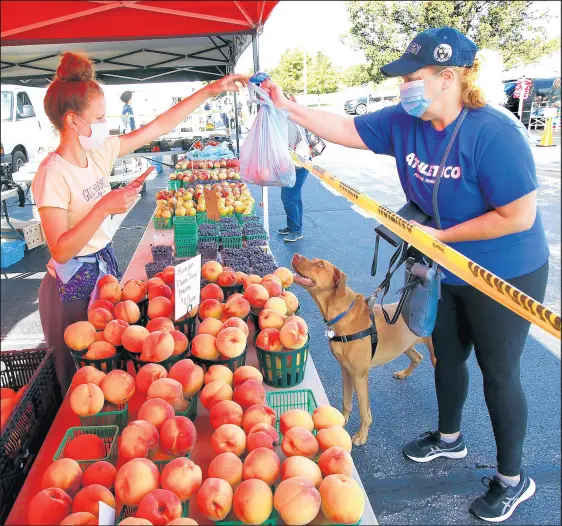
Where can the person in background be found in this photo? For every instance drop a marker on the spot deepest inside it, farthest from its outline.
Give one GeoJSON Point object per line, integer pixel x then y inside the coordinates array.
{"type": "Point", "coordinates": [127, 113]}
{"type": "Point", "coordinates": [292, 196]}
{"type": "Point", "coordinates": [249, 103]}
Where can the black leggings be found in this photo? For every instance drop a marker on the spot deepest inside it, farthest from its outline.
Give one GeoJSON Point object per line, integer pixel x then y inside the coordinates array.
{"type": "Point", "coordinates": [468, 318]}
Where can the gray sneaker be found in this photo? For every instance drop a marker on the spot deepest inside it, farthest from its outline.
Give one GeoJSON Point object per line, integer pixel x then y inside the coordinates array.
{"type": "Point", "coordinates": [284, 231]}
{"type": "Point", "coordinates": [291, 238]}
{"type": "Point", "coordinates": [430, 446]}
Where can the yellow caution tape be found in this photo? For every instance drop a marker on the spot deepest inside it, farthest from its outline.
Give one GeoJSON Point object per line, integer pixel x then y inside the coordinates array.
{"type": "Point", "coordinates": [480, 278]}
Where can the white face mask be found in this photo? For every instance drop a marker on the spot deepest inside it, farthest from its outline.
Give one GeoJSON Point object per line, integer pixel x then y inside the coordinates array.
{"type": "Point", "coordinates": [100, 132]}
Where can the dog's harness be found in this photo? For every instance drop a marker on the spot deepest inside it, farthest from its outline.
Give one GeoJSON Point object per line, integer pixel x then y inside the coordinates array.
{"type": "Point", "coordinates": [371, 331]}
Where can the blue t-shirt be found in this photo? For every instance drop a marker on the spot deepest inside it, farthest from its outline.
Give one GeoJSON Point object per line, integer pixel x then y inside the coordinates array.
{"type": "Point", "coordinates": [489, 165]}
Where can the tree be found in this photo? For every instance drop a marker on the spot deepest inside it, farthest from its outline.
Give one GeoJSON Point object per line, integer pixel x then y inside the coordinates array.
{"type": "Point", "coordinates": [322, 77]}
{"type": "Point", "coordinates": [356, 75]}
{"type": "Point", "coordinates": [289, 72]}
{"type": "Point", "coordinates": [382, 30]}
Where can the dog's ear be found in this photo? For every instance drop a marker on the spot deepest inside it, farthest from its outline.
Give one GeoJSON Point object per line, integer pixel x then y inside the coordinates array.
{"type": "Point", "coordinates": [340, 283]}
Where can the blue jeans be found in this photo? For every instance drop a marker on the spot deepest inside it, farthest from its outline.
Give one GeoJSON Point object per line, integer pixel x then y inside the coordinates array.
{"type": "Point", "coordinates": [292, 202]}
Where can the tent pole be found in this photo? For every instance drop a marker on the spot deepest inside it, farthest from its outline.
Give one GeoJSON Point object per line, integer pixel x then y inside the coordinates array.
{"type": "Point", "coordinates": [236, 125]}
{"type": "Point", "coordinates": [264, 189]}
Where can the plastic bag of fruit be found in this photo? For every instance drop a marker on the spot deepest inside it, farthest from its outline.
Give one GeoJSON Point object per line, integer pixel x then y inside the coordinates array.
{"type": "Point", "coordinates": [264, 156]}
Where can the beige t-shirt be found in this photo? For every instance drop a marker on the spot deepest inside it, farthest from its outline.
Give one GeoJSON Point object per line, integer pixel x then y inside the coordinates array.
{"type": "Point", "coordinates": [61, 184]}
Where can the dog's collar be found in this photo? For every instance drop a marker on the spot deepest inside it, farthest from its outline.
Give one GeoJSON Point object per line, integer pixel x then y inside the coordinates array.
{"type": "Point", "coordinates": [333, 321]}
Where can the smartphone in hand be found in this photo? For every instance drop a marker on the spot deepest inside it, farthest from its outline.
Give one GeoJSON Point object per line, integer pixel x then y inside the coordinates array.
{"type": "Point", "coordinates": [139, 181]}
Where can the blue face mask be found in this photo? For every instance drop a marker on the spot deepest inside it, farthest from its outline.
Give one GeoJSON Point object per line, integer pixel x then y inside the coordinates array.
{"type": "Point", "coordinates": [412, 96]}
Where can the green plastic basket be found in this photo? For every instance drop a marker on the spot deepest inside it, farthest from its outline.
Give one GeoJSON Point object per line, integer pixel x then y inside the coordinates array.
{"type": "Point", "coordinates": [255, 236]}
{"type": "Point", "coordinates": [231, 363]}
{"type": "Point", "coordinates": [209, 238]}
{"type": "Point", "coordinates": [107, 433]}
{"type": "Point", "coordinates": [283, 401]}
{"type": "Point", "coordinates": [185, 246]}
{"type": "Point", "coordinates": [118, 361]}
{"type": "Point", "coordinates": [174, 184]}
{"type": "Point", "coordinates": [167, 364]}
{"type": "Point", "coordinates": [143, 308]}
{"type": "Point", "coordinates": [129, 511]}
{"type": "Point", "coordinates": [240, 216]}
{"type": "Point", "coordinates": [191, 411]}
{"type": "Point", "coordinates": [231, 242]}
{"type": "Point", "coordinates": [282, 369]}
{"type": "Point", "coordinates": [163, 223]}
{"type": "Point", "coordinates": [202, 218]}
{"type": "Point", "coordinates": [187, 327]}
{"type": "Point", "coordinates": [118, 418]}
{"type": "Point", "coordinates": [229, 291]}
{"type": "Point", "coordinates": [231, 520]}
{"type": "Point", "coordinates": [187, 222]}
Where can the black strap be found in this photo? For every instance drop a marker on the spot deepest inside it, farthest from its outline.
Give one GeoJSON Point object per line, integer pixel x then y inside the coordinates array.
{"type": "Point", "coordinates": [356, 336]}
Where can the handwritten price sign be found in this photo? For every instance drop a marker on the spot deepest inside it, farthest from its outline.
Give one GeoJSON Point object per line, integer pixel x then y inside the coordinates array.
{"type": "Point", "coordinates": [187, 283]}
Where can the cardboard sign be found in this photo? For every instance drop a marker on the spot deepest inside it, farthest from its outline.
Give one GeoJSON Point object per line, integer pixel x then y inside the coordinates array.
{"type": "Point", "coordinates": [187, 283]}
{"type": "Point", "coordinates": [212, 204]}
{"type": "Point", "coordinates": [139, 181]}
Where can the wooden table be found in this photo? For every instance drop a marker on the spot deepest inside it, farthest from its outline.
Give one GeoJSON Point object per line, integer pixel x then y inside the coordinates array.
{"type": "Point", "coordinates": [202, 453]}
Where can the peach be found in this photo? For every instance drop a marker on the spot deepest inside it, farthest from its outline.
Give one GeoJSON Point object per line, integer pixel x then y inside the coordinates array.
{"type": "Point", "coordinates": [108, 278]}
{"type": "Point", "coordinates": [160, 290]}
{"type": "Point", "coordinates": [135, 479]}
{"type": "Point", "coordinates": [253, 502]}
{"type": "Point", "coordinates": [87, 375]}
{"type": "Point", "coordinates": [343, 500]}
{"type": "Point", "coordinates": [160, 324]}
{"type": "Point", "coordinates": [273, 287]}
{"type": "Point", "coordinates": [269, 340]}
{"type": "Point", "coordinates": [133, 338]}
{"type": "Point", "coordinates": [100, 337]}
{"type": "Point", "coordinates": [249, 393]}
{"type": "Point", "coordinates": [167, 389]}
{"type": "Point", "coordinates": [215, 392]}
{"type": "Point", "coordinates": [102, 473]}
{"type": "Point", "coordinates": [210, 271]}
{"type": "Point", "coordinates": [147, 374]}
{"type": "Point", "coordinates": [301, 467]}
{"type": "Point", "coordinates": [111, 292]}
{"type": "Point", "coordinates": [259, 439]}
{"type": "Point", "coordinates": [88, 499]}
{"type": "Point", "coordinates": [268, 429]}
{"type": "Point", "coordinates": [160, 307]}
{"type": "Point", "coordinates": [169, 275]}
{"type": "Point", "coordinates": [100, 350]}
{"type": "Point", "coordinates": [6, 392]}
{"type": "Point", "coordinates": [333, 436]}
{"type": "Point", "coordinates": [278, 304]}
{"type": "Point", "coordinates": [64, 474]}
{"type": "Point", "coordinates": [113, 332]}
{"type": "Point", "coordinates": [136, 521]}
{"type": "Point", "coordinates": [154, 281]}
{"type": "Point", "coordinates": [210, 326]}
{"type": "Point", "coordinates": [138, 439]}
{"type": "Point", "coordinates": [50, 506]}
{"type": "Point", "coordinates": [271, 277]}
{"type": "Point", "coordinates": [235, 296]}
{"type": "Point", "coordinates": [291, 301]}
{"type": "Point", "coordinates": [258, 414]}
{"type": "Point", "coordinates": [85, 447]}
{"type": "Point", "coordinates": [99, 317]}
{"type": "Point", "coordinates": [212, 292]}
{"type": "Point", "coordinates": [295, 418]}
{"type": "Point", "coordinates": [257, 295]}
{"type": "Point", "coordinates": [210, 309]}
{"type": "Point", "coordinates": [204, 346]}
{"type": "Point", "coordinates": [285, 275]}
{"type": "Point", "coordinates": [127, 311]}
{"type": "Point", "coordinates": [180, 342]}
{"type": "Point", "coordinates": [157, 347]}
{"type": "Point", "coordinates": [292, 335]}
{"type": "Point", "coordinates": [231, 342]}
{"type": "Point", "coordinates": [103, 304]}
{"type": "Point", "coordinates": [239, 323]}
{"type": "Point", "coordinates": [182, 477]}
{"type": "Point", "coordinates": [237, 307]}
{"type": "Point", "coordinates": [303, 327]}
{"type": "Point", "coordinates": [240, 277]}
{"type": "Point", "coordinates": [325, 416]}
{"type": "Point", "coordinates": [134, 290]}
{"type": "Point", "coordinates": [229, 438]}
{"type": "Point", "coordinates": [252, 279]}
{"type": "Point", "coordinates": [189, 375]}
{"type": "Point", "coordinates": [182, 521]}
{"type": "Point", "coordinates": [227, 466]}
{"type": "Point", "coordinates": [227, 278]}
{"type": "Point", "coordinates": [82, 518]}
{"type": "Point", "coordinates": [225, 412]}
{"type": "Point", "coordinates": [271, 319]}
{"type": "Point", "coordinates": [214, 499]}
{"type": "Point", "coordinates": [336, 461]}
{"type": "Point", "coordinates": [299, 442]}
{"type": "Point", "coordinates": [218, 372]}
{"type": "Point", "coordinates": [86, 400]}
{"type": "Point", "coordinates": [156, 411]}
{"type": "Point", "coordinates": [160, 506]}
{"type": "Point", "coordinates": [262, 463]}
{"type": "Point", "coordinates": [80, 335]}
{"type": "Point", "coordinates": [246, 372]}
{"type": "Point", "coordinates": [177, 436]}
{"type": "Point", "coordinates": [118, 386]}
{"type": "Point", "coordinates": [297, 500]}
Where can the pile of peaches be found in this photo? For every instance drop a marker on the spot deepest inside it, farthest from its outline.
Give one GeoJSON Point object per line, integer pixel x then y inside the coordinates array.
{"type": "Point", "coordinates": [9, 399]}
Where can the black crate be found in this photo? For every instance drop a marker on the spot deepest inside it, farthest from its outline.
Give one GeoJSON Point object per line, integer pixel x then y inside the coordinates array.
{"type": "Point", "coordinates": [25, 430]}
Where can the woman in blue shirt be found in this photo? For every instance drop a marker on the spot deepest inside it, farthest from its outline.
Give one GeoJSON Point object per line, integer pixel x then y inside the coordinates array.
{"type": "Point", "coordinates": [488, 210]}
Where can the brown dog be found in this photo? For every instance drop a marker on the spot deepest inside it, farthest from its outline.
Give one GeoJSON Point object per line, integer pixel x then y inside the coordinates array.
{"type": "Point", "coordinates": [327, 286]}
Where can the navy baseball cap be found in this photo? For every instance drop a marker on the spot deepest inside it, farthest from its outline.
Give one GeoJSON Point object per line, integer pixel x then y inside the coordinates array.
{"type": "Point", "coordinates": [441, 46]}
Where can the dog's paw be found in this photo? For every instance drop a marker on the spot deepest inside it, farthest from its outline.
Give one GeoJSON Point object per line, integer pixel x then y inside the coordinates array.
{"type": "Point", "coordinates": [360, 438]}
{"type": "Point", "coordinates": [345, 416]}
{"type": "Point", "coordinates": [400, 375]}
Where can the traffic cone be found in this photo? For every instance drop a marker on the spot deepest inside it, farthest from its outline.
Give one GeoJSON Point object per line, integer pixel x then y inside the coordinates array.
{"type": "Point", "coordinates": [546, 139]}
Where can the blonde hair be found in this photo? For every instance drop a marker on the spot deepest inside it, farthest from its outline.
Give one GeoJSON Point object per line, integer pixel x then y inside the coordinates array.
{"type": "Point", "coordinates": [481, 83]}
{"type": "Point", "coordinates": [71, 89]}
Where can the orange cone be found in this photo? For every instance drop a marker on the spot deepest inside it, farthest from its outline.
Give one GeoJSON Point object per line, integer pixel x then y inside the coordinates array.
{"type": "Point", "coordinates": [546, 139]}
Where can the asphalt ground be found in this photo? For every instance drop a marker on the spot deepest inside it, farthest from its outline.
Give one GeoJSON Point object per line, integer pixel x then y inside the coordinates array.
{"type": "Point", "coordinates": [400, 492]}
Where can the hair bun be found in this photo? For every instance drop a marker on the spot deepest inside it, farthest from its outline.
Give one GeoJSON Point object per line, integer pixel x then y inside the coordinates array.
{"type": "Point", "coordinates": [75, 67]}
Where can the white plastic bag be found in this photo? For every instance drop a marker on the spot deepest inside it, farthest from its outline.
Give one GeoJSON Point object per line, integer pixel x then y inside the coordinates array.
{"type": "Point", "coordinates": [264, 156]}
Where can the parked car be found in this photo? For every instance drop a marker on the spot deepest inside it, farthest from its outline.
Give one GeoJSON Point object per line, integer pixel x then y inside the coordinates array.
{"type": "Point", "coordinates": [541, 91]}
{"type": "Point", "coordinates": [359, 105]}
